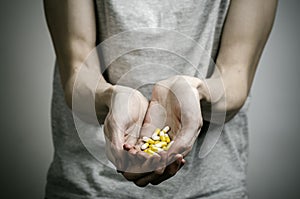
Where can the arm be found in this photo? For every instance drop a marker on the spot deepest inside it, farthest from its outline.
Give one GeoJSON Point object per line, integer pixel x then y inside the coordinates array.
{"type": "Point", "coordinates": [245, 34]}
{"type": "Point", "coordinates": [73, 30]}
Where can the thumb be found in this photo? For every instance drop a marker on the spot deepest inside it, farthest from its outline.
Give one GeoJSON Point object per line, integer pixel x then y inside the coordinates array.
{"type": "Point", "coordinates": [132, 135]}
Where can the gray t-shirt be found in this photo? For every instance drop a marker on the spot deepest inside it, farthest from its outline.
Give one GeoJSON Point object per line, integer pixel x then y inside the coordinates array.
{"type": "Point", "coordinates": [146, 41]}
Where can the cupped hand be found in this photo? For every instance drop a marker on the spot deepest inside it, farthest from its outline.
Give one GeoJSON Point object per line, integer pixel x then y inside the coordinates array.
{"type": "Point", "coordinates": [127, 109]}
{"type": "Point", "coordinates": [175, 102]}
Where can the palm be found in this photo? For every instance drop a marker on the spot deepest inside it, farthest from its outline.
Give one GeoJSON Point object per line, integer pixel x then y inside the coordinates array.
{"type": "Point", "coordinates": [123, 123]}
{"type": "Point", "coordinates": [175, 103]}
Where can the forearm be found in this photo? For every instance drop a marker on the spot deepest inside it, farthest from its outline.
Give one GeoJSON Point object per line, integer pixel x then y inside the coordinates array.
{"type": "Point", "coordinates": [73, 31]}
{"type": "Point", "coordinates": [245, 34]}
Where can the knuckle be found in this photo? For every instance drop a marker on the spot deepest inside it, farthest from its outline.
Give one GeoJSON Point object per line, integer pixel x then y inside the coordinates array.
{"type": "Point", "coordinates": [157, 89]}
{"type": "Point", "coordinates": [128, 177]}
{"type": "Point", "coordinates": [156, 183]}
{"type": "Point", "coordinates": [140, 184]}
{"type": "Point", "coordinates": [172, 173]}
{"type": "Point", "coordinates": [187, 148]}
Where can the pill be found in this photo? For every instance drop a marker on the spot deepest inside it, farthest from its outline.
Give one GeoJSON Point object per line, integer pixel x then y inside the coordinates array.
{"type": "Point", "coordinates": [155, 137]}
{"type": "Point", "coordinates": [158, 142]}
{"type": "Point", "coordinates": [155, 149]}
{"type": "Point", "coordinates": [167, 138]}
{"type": "Point", "coordinates": [169, 145]}
{"type": "Point", "coordinates": [162, 136]}
{"type": "Point", "coordinates": [157, 131]}
{"type": "Point", "coordinates": [166, 129]}
{"type": "Point", "coordinates": [161, 144]}
{"type": "Point", "coordinates": [145, 146]}
{"type": "Point", "coordinates": [149, 151]}
{"type": "Point", "coordinates": [148, 140]}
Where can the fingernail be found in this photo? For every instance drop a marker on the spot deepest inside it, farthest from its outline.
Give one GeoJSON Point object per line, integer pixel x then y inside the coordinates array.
{"type": "Point", "coordinates": [183, 161]}
{"type": "Point", "coordinates": [179, 160]}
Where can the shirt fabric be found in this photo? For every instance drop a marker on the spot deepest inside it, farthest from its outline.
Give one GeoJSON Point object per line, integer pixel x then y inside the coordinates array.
{"type": "Point", "coordinates": [171, 28]}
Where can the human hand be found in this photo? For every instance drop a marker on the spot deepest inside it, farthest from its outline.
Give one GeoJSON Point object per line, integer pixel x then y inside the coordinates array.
{"type": "Point", "coordinates": [175, 102]}
{"type": "Point", "coordinates": [122, 125]}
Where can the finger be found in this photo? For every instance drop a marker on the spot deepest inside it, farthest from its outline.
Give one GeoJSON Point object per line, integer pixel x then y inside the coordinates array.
{"type": "Point", "coordinates": [163, 163]}
{"type": "Point", "coordinates": [156, 177]}
{"type": "Point", "coordinates": [132, 134]}
{"type": "Point", "coordinates": [170, 171]}
{"type": "Point", "coordinates": [144, 181]}
{"type": "Point", "coordinates": [183, 141]}
{"type": "Point", "coordinates": [134, 176]}
{"type": "Point", "coordinates": [121, 158]}
{"type": "Point", "coordinates": [127, 146]}
{"type": "Point", "coordinates": [140, 169]}
{"type": "Point", "coordinates": [114, 149]}
{"type": "Point", "coordinates": [148, 163]}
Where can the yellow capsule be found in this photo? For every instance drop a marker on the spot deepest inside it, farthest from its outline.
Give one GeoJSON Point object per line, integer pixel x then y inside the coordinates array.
{"type": "Point", "coordinates": [145, 146]}
{"type": "Point", "coordinates": [149, 151]}
{"type": "Point", "coordinates": [157, 141]}
{"type": "Point", "coordinates": [155, 149]}
{"type": "Point", "coordinates": [161, 144]}
{"type": "Point", "coordinates": [162, 136]}
{"type": "Point", "coordinates": [169, 145]}
{"type": "Point", "coordinates": [166, 129]}
{"type": "Point", "coordinates": [164, 148]}
{"type": "Point", "coordinates": [148, 140]}
{"type": "Point", "coordinates": [157, 131]}
{"type": "Point", "coordinates": [167, 138]}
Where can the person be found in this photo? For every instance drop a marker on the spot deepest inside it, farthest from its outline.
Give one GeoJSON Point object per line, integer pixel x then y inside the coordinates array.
{"type": "Point", "coordinates": [232, 33]}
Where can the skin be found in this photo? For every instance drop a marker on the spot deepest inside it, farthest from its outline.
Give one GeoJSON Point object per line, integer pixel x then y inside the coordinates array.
{"type": "Point", "coordinates": [73, 30]}
{"type": "Point", "coordinates": [245, 34]}
{"type": "Point", "coordinates": [72, 26]}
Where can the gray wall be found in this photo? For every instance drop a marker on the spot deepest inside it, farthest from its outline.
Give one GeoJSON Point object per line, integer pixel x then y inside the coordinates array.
{"type": "Point", "coordinates": [26, 71]}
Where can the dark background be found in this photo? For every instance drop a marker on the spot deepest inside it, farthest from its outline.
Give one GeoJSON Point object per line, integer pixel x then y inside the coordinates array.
{"type": "Point", "coordinates": [27, 60]}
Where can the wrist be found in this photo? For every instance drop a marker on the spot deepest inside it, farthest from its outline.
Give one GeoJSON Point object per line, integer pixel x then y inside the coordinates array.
{"type": "Point", "coordinates": [103, 98]}
{"type": "Point", "coordinates": [104, 94]}
{"type": "Point", "coordinates": [201, 87]}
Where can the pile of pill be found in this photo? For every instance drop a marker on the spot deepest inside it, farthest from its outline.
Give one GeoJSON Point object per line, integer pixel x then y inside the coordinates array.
{"type": "Point", "coordinates": [159, 141]}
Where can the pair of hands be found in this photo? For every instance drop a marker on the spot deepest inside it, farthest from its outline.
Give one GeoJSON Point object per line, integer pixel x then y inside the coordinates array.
{"type": "Point", "coordinates": [175, 102]}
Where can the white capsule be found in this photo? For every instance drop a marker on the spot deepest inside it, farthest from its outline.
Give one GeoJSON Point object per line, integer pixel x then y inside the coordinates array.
{"type": "Point", "coordinates": [161, 133]}
{"type": "Point", "coordinates": [144, 146]}
{"type": "Point", "coordinates": [161, 144]}
{"type": "Point", "coordinates": [155, 149]}
{"type": "Point", "coordinates": [149, 151]}
{"type": "Point", "coordinates": [166, 129]}
{"type": "Point", "coordinates": [155, 137]}
{"type": "Point", "coordinates": [148, 140]}
{"type": "Point", "coordinates": [155, 134]}
{"type": "Point", "coordinates": [145, 139]}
